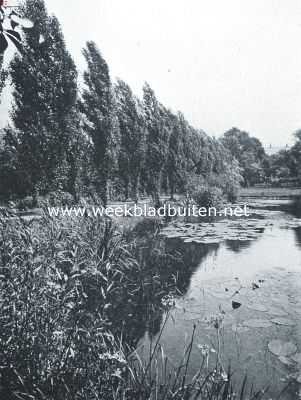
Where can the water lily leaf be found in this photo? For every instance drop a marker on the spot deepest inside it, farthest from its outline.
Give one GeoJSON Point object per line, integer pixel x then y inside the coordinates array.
{"type": "Point", "coordinates": [257, 323]}
{"type": "Point", "coordinates": [297, 358]}
{"type": "Point", "coordinates": [283, 321]}
{"type": "Point", "coordinates": [286, 361]}
{"type": "Point", "coordinates": [257, 307]}
{"type": "Point", "coordinates": [297, 377]}
{"type": "Point", "coordinates": [277, 312]}
{"type": "Point", "coordinates": [240, 329]}
{"type": "Point", "coordinates": [282, 349]}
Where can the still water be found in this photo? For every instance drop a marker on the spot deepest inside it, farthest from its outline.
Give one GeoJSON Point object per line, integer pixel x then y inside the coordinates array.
{"type": "Point", "coordinates": [253, 285]}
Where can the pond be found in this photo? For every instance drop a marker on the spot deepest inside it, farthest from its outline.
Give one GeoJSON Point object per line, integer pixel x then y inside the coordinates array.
{"type": "Point", "coordinates": [245, 274]}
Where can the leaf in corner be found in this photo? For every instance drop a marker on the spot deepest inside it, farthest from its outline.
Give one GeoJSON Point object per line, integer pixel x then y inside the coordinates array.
{"type": "Point", "coordinates": [3, 43]}
{"type": "Point", "coordinates": [15, 41]}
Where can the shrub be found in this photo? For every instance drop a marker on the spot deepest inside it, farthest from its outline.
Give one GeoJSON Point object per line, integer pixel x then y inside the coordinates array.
{"type": "Point", "coordinates": [60, 199]}
{"type": "Point", "coordinates": [232, 192]}
{"type": "Point", "coordinates": [25, 204]}
{"type": "Point", "coordinates": [208, 197]}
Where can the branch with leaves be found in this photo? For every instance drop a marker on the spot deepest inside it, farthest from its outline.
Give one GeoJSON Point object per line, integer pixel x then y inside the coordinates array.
{"type": "Point", "coordinates": [15, 21]}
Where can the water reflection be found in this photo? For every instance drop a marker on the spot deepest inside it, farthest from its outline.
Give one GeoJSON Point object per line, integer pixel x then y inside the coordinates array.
{"type": "Point", "coordinates": [237, 245]}
{"type": "Point", "coordinates": [212, 276]}
{"type": "Point", "coordinates": [298, 236]}
{"type": "Point", "coordinates": [201, 279]}
{"type": "Point", "coordinates": [165, 268]}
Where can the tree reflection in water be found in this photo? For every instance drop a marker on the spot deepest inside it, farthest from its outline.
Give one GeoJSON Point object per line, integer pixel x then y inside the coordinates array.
{"type": "Point", "coordinates": [298, 236]}
{"type": "Point", "coordinates": [164, 271]}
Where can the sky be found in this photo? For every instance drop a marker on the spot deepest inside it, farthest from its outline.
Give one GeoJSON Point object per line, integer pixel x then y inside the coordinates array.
{"type": "Point", "coordinates": [222, 63]}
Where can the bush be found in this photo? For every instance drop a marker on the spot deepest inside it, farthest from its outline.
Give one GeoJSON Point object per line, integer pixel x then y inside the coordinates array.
{"type": "Point", "coordinates": [60, 199]}
{"type": "Point", "coordinates": [232, 192]}
{"type": "Point", "coordinates": [208, 197]}
{"type": "Point", "coordinates": [25, 204]}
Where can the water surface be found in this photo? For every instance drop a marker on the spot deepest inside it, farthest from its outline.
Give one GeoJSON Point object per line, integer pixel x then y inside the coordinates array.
{"type": "Point", "coordinates": [262, 276]}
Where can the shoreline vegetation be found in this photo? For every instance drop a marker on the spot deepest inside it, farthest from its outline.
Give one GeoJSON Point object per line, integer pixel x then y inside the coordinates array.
{"type": "Point", "coordinates": [63, 289]}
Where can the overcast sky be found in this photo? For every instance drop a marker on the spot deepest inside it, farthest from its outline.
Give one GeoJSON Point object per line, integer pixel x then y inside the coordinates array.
{"type": "Point", "coordinates": [222, 63]}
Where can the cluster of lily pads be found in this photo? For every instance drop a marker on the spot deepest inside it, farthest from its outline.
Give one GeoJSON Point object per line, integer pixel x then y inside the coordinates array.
{"type": "Point", "coordinates": [287, 353]}
{"type": "Point", "coordinates": [217, 232]}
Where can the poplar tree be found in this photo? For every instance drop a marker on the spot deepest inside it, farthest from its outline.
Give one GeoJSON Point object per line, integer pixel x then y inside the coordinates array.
{"type": "Point", "coordinates": [44, 79]}
{"type": "Point", "coordinates": [158, 128]}
{"type": "Point", "coordinates": [98, 107]}
{"type": "Point", "coordinates": [131, 128]}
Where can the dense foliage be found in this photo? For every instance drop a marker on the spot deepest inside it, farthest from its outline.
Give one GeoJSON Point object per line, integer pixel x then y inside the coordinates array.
{"type": "Point", "coordinates": [285, 166]}
{"type": "Point", "coordinates": [98, 140]}
{"type": "Point", "coordinates": [250, 154]}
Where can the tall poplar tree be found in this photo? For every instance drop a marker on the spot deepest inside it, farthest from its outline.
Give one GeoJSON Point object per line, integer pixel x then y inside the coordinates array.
{"type": "Point", "coordinates": [97, 106]}
{"type": "Point", "coordinates": [44, 79]}
{"type": "Point", "coordinates": [158, 127]}
{"type": "Point", "coordinates": [131, 127]}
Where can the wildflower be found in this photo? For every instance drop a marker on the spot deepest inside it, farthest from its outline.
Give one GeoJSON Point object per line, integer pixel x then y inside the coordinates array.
{"type": "Point", "coordinates": [118, 373]}
{"type": "Point", "coordinates": [204, 349]}
{"type": "Point", "coordinates": [168, 301]}
{"type": "Point", "coordinates": [224, 376]}
{"type": "Point", "coordinates": [217, 321]}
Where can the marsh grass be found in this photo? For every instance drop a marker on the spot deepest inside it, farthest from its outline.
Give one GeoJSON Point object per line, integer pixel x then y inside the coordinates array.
{"type": "Point", "coordinates": [62, 283]}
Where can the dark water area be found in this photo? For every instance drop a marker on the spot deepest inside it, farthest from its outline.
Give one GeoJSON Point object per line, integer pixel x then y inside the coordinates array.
{"type": "Point", "coordinates": [196, 272]}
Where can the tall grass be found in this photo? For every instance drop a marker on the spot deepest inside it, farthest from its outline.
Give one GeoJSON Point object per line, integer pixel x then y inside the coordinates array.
{"type": "Point", "coordinates": [61, 285]}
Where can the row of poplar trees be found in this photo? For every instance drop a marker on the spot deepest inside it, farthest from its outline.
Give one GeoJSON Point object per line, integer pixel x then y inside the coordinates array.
{"type": "Point", "coordinates": [98, 138]}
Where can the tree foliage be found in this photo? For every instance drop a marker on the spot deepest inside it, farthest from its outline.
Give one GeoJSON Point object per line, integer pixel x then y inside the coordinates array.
{"type": "Point", "coordinates": [100, 139]}
{"type": "Point", "coordinates": [97, 106]}
{"type": "Point", "coordinates": [44, 79]}
{"type": "Point", "coordinates": [250, 154]}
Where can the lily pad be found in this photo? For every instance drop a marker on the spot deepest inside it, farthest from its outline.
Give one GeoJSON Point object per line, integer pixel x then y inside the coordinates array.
{"type": "Point", "coordinates": [283, 321]}
{"type": "Point", "coordinates": [275, 311]}
{"type": "Point", "coordinates": [257, 323]}
{"type": "Point", "coordinates": [240, 329]}
{"type": "Point", "coordinates": [257, 307]}
{"type": "Point", "coordinates": [297, 358]}
{"type": "Point", "coordinates": [286, 361]}
{"type": "Point", "coordinates": [297, 377]}
{"type": "Point", "coordinates": [282, 349]}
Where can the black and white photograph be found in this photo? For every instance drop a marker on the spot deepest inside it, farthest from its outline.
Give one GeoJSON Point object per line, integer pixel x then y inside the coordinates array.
{"type": "Point", "coordinates": [150, 200]}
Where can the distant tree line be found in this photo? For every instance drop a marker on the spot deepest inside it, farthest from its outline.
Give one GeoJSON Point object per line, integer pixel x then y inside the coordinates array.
{"type": "Point", "coordinates": [285, 166]}
{"type": "Point", "coordinates": [282, 168]}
